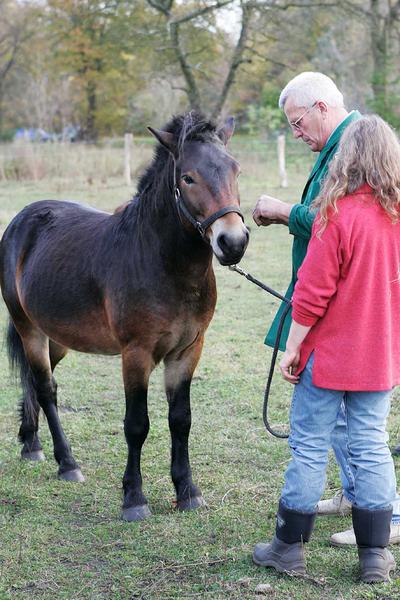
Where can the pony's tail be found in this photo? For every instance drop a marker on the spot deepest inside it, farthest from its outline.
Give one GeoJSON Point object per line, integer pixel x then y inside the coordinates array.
{"type": "Point", "coordinates": [20, 367]}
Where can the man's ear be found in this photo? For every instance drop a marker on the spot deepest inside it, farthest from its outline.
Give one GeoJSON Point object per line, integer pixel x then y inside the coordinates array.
{"type": "Point", "coordinates": [165, 138]}
{"type": "Point", "coordinates": [226, 131]}
{"type": "Point", "coordinates": [322, 107]}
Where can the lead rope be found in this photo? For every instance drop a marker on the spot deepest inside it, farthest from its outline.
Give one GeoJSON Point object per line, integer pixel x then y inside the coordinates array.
{"type": "Point", "coordinates": [288, 303]}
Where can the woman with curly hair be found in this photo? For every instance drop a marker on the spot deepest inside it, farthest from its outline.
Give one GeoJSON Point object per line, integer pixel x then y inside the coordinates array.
{"type": "Point", "coordinates": [344, 346]}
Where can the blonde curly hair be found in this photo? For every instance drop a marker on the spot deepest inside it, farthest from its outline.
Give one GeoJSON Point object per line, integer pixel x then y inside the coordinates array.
{"type": "Point", "coordinates": [369, 152]}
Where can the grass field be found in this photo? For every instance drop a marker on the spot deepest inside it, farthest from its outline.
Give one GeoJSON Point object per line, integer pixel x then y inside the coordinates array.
{"type": "Point", "coordinates": [67, 541]}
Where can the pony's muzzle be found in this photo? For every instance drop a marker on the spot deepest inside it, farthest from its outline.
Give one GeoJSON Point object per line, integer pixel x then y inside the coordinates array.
{"type": "Point", "coordinates": [229, 239]}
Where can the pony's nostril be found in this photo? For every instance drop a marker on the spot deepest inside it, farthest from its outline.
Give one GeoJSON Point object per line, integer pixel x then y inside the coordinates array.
{"type": "Point", "coordinates": [223, 243]}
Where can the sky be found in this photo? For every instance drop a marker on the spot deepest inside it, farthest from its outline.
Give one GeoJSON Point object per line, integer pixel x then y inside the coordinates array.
{"type": "Point", "coordinates": [229, 19]}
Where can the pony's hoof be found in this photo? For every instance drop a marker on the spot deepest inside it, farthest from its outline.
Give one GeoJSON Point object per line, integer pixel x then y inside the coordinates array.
{"type": "Point", "coordinates": [136, 513]}
{"type": "Point", "coordinates": [190, 503]}
{"type": "Point", "coordinates": [74, 475]}
{"type": "Point", "coordinates": [37, 455]}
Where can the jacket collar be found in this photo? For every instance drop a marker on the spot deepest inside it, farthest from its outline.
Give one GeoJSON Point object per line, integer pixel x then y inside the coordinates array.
{"type": "Point", "coordinates": [334, 139]}
{"type": "Point", "coordinates": [364, 189]}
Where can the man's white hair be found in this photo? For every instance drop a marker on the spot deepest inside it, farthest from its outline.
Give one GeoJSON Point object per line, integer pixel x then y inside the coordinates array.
{"type": "Point", "coordinates": [307, 88]}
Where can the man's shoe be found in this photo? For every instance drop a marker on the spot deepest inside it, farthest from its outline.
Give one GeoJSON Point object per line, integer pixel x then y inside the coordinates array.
{"type": "Point", "coordinates": [376, 564]}
{"type": "Point", "coordinates": [348, 538]}
{"type": "Point", "coordinates": [281, 556]}
{"type": "Point", "coordinates": [338, 505]}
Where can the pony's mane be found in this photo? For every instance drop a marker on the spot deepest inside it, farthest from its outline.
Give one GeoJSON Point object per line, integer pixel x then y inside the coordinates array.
{"type": "Point", "coordinates": [190, 126]}
{"type": "Point", "coordinates": [155, 187]}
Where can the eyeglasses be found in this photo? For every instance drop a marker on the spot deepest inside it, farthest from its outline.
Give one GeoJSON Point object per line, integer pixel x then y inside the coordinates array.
{"type": "Point", "coordinates": [297, 123]}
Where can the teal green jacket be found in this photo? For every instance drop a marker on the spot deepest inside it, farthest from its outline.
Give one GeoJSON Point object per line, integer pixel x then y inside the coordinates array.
{"type": "Point", "coordinates": [300, 224]}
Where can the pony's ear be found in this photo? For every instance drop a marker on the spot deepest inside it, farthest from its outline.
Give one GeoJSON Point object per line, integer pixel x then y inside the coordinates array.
{"type": "Point", "coordinates": [165, 138]}
{"type": "Point", "coordinates": [226, 131]}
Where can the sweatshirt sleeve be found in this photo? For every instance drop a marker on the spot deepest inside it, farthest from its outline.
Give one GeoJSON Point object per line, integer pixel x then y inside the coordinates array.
{"type": "Point", "coordinates": [318, 276]}
{"type": "Point", "coordinates": [301, 220]}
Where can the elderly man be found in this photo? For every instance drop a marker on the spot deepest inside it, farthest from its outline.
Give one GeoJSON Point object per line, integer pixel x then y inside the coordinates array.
{"type": "Point", "coordinates": [314, 108]}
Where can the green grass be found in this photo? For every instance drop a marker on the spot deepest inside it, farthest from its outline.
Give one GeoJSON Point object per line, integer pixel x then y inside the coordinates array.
{"type": "Point", "coordinates": [67, 541]}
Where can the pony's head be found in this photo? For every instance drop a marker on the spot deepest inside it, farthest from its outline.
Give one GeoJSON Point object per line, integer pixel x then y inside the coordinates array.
{"type": "Point", "coordinates": [205, 182]}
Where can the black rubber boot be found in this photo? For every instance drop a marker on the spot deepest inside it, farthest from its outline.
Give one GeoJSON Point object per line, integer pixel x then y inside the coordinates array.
{"type": "Point", "coordinates": [372, 531]}
{"type": "Point", "coordinates": [396, 451]}
{"type": "Point", "coordinates": [286, 551]}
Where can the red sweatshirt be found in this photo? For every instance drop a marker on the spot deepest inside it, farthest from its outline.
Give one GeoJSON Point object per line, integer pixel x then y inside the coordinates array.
{"type": "Point", "coordinates": [348, 290]}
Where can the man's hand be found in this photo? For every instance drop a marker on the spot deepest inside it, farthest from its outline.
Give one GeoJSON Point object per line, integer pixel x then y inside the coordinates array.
{"type": "Point", "coordinates": [289, 364]}
{"type": "Point", "coordinates": [269, 211]}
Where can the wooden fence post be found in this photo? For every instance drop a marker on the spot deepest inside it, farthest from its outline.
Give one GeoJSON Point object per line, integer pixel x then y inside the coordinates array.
{"type": "Point", "coordinates": [281, 160]}
{"type": "Point", "coordinates": [128, 145]}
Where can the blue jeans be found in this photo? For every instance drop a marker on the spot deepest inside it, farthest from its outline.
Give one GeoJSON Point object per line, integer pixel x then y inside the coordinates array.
{"type": "Point", "coordinates": [340, 447]}
{"type": "Point", "coordinates": [313, 418]}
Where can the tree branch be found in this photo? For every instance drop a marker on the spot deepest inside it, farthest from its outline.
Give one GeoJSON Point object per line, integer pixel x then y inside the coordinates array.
{"type": "Point", "coordinates": [192, 91]}
{"type": "Point", "coordinates": [274, 4]}
{"type": "Point", "coordinates": [270, 60]}
{"type": "Point", "coordinates": [201, 11]}
{"type": "Point", "coordinates": [395, 11]}
{"type": "Point", "coordinates": [178, 87]}
{"type": "Point", "coordinates": [165, 7]}
{"type": "Point", "coordinates": [355, 9]}
{"type": "Point", "coordinates": [236, 60]}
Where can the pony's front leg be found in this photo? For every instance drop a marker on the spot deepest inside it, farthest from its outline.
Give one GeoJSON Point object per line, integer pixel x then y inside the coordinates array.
{"type": "Point", "coordinates": [178, 377]}
{"type": "Point", "coordinates": [137, 365]}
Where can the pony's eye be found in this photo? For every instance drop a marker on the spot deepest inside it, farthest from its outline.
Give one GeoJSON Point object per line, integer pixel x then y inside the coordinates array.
{"type": "Point", "coordinates": [187, 179]}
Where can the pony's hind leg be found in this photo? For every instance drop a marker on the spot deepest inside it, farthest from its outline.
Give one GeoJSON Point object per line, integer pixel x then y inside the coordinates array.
{"type": "Point", "coordinates": [29, 409]}
{"type": "Point", "coordinates": [28, 431]}
{"type": "Point", "coordinates": [178, 376]}
{"type": "Point", "coordinates": [42, 385]}
{"type": "Point", "coordinates": [57, 353]}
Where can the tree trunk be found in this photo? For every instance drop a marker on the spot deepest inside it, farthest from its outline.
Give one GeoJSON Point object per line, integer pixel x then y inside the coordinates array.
{"type": "Point", "coordinates": [191, 86]}
{"type": "Point", "coordinates": [91, 132]}
{"type": "Point", "coordinates": [174, 22]}
{"type": "Point", "coordinates": [236, 61]}
{"type": "Point", "coordinates": [380, 26]}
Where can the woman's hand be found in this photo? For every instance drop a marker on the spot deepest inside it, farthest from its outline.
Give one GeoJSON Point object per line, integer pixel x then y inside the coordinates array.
{"type": "Point", "coordinates": [291, 358]}
{"type": "Point", "coordinates": [289, 364]}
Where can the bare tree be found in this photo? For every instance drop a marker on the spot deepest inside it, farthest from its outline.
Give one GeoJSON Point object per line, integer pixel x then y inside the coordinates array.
{"type": "Point", "coordinates": [14, 32]}
{"type": "Point", "coordinates": [238, 57]}
{"type": "Point", "coordinates": [383, 20]}
{"type": "Point", "coordinates": [174, 22]}
{"type": "Point", "coordinates": [242, 51]}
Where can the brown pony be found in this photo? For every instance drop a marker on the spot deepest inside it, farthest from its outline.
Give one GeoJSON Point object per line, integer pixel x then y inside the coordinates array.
{"type": "Point", "coordinates": [138, 283]}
